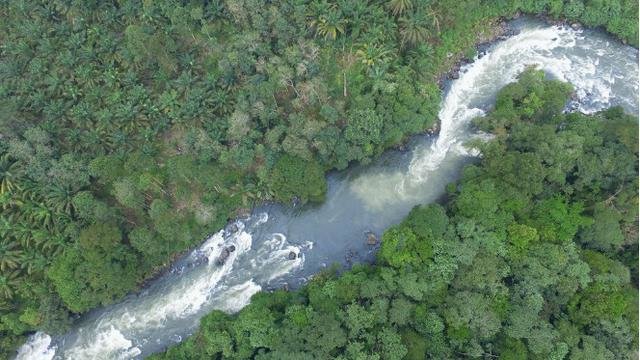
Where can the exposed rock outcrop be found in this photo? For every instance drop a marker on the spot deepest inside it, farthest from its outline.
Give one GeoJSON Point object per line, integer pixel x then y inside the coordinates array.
{"type": "Point", "coordinates": [372, 239]}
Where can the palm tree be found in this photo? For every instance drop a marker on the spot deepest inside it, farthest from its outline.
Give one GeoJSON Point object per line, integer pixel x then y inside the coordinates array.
{"type": "Point", "coordinates": [9, 281]}
{"type": "Point", "coordinates": [60, 199]}
{"type": "Point", "coordinates": [33, 262]}
{"type": "Point", "coordinates": [359, 14]}
{"type": "Point", "coordinates": [29, 191]}
{"type": "Point", "coordinates": [221, 101]}
{"type": "Point", "coordinates": [6, 226]}
{"type": "Point", "coordinates": [8, 174]}
{"type": "Point", "coordinates": [6, 201]}
{"type": "Point", "coordinates": [94, 141]}
{"type": "Point", "coordinates": [9, 254]}
{"type": "Point", "coordinates": [435, 18]}
{"type": "Point", "coordinates": [413, 29]}
{"type": "Point", "coordinates": [23, 233]}
{"type": "Point", "coordinates": [12, 228]}
{"type": "Point", "coordinates": [399, 7]}
{"type": "Point", "coordinates": [371, 54]}
{"type": "Point", "coordinates": [329, 23]}
{"type": "Point", "coordinates": [4, 305]}
{"type": "Point", "coordinates": [37, 213]}
{"type": "Point", "coordinates": [53, 243]}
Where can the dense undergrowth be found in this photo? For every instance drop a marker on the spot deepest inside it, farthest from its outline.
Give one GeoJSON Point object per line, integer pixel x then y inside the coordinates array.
{"type": "Point", "coordinates": [532, 256]}
{"type": "Point", "coordinates": [131, 129]}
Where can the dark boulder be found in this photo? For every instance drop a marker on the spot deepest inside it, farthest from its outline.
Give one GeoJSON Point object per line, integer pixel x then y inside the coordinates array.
{"type": "Point", "coordinates": [222, 258]}
{"type": "Point", "coordinates": [293, 255]}
{"type": "Point", "coordinates": [232, 228]}
{"type": "Point", "coordinates": [231, 248]}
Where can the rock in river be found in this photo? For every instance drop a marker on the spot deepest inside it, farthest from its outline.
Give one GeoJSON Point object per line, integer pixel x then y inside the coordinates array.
{"type": "Point", "coordinates": [292, 255]}
{"type": "Point", "coordinates": [372, 239]}
{"type": "Point", "coordinates": [224, 255]}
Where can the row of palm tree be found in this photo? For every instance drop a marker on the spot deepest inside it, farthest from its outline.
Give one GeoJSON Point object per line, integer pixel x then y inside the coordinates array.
{"type": "Point", "coordinates": [417, 24]}
{"type": "Point", "coordinates": [34, 219]}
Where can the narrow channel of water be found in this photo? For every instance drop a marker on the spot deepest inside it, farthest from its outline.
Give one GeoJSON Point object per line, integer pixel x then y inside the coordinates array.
{"type": "Point", "coordinates": [360, 199]}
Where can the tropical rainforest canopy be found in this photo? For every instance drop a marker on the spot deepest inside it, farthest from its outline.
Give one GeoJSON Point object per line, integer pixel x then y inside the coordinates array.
{"type": "Point", "coordinates": [131, 129]}
{"type": "Point", "coordinates": [534, 255]}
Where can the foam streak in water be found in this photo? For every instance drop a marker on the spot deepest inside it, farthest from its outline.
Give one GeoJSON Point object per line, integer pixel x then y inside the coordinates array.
{"type": "Point", "coordinates": [37, 348]}
{"type": "Point", "coordinates": [482, 79]}
{"type": "Point", "coordinates": [561, 52]}
{"type": "Point", "coordinates": [121, 332]}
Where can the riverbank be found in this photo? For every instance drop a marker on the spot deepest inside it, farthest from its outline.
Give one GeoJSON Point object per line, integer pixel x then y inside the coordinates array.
{"type": "Point", "coordinates": [370, 198]}
{"type": "Point", "coordinates": [190, 124]}
{"type": "Point", "coordinates": [448, 279]}
{"type": "Point", "coordinates": [493, 31]}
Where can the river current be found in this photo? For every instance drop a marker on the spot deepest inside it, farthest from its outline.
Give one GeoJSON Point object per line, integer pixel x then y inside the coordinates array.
{"type": "Point", "coordinates": [361, 199]}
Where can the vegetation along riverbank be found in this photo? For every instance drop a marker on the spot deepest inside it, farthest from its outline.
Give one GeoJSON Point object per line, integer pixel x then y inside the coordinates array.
{"type": "Point", "coordinates": [130, 130]}
{"type": "Point", "coordinates": [533, 255]}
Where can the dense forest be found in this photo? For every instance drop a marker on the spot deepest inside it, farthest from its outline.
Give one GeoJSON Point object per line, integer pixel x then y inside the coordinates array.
{"type": "Point", "coordinates": [533, 255]}
{"type": "Point", "coordinates": [129, 130]}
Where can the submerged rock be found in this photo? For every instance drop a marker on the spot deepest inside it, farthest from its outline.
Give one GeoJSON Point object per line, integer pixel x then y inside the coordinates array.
{"type": "Point", "coordinates": [293, 255]}
{"type": "Point", "coordinates": [351, 256]}
{"type": "Point", "coordinates": [222, 258]}
{"type": "Point", "coordinates": [231, 248]}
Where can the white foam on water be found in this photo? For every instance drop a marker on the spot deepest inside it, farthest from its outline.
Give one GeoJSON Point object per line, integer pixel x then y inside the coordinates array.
{"type": "Point", "coordinates": [235, 298]}
{"type": "Point", "coordinates": [262, 218]}
{"type": "Point", "coordinates": [559, 51]}
{"type": "Point", "coordinates": [271, 260]}
{"type": "Point", "coordinates": [227, 287]}
{"type": "Point", "coordinates": [184, 298]}
{"type": "Point", "coordinates": [481, 80]}
{"type": "Point", "coordinates": [107, 344]}
{"type": "Point", "coordinates": [37, 348]}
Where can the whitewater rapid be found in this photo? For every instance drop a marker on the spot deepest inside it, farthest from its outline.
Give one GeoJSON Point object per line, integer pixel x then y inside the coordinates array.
{"type": "Point", "coordinates": [205, 286]}
{"type": "Point", "coordinates": [362, 199]}
{"type": "Point", "coordinates": [595, 67]}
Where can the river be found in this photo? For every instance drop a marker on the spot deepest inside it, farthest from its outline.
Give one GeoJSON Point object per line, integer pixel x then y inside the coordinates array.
{"type": "Point", "coordinates": [360, 199]}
